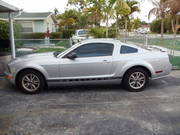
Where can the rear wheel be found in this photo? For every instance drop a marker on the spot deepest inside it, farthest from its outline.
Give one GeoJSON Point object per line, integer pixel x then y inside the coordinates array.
{"type": "Point", "coordinates": [30, 82]}
{"type": "Point", "coordinates": [136, 79]}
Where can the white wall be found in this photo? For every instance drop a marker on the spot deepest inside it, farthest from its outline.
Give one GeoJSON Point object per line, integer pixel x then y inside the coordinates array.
{"type": "Point", "coordinates": [49, 23]}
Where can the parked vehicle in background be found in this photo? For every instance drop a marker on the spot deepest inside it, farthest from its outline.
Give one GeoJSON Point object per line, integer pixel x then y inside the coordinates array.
{"type": "Point", "coordinates": [142, 31]}
{"type": "Point", "coordinates": [80, 35]}
{"type": "Point", "coordinates": [90, 61]}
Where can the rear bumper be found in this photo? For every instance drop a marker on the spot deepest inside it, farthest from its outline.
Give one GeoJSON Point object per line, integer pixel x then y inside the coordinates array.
{"type": "Point", "coordinates": [165, 72]}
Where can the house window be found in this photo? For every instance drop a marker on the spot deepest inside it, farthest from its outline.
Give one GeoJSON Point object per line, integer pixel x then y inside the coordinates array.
{"type": "Point", "coordinates": [27, 26]}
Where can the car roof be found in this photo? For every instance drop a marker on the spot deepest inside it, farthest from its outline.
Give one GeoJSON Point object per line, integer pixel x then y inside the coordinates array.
{"type": "Point", "coordinates": [107, 40]}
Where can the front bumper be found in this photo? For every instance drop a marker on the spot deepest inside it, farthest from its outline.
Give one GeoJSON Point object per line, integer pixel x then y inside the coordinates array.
{"type": "Point", "coordinates": [10, 77]}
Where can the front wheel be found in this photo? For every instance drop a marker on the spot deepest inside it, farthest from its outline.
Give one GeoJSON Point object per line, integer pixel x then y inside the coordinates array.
{"type": "Point", "coordinates": [30, 82]}
{"type": "Point", "coordinates": [136, 79]}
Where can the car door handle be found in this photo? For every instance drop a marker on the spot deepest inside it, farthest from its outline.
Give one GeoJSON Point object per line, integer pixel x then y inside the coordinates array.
{"type": "Point", "coordinates": [105, 61]}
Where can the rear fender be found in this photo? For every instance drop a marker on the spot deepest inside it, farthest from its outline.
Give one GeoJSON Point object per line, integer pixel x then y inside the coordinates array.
{"type": "Point", "coordinates": [129, 65]}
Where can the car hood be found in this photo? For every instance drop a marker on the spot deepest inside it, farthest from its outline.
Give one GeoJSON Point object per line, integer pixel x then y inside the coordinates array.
{"type": "Point", "coordinates": [37, 55]}
{"type": "Point", "coordinates": [34, 57]}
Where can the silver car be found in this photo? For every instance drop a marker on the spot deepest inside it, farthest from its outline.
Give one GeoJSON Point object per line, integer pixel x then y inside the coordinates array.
{"type": "Point", "coordinates": [90, 61]}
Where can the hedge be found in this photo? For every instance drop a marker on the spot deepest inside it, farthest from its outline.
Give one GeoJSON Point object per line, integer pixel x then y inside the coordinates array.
{"type": "Point", "coordinates": [56, 35]}
{"type": "Point", "coordinates": [100, 32]}
{"type": "Point", "coordinates": [41, 35]}
{"type": "Point", "coordinates": [33, 36]}
{"type": "Point", "coordinates": [67, 33]}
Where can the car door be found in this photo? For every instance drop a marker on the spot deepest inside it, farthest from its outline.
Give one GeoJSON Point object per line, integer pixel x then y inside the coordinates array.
{"type": "Point", "coordinates": [93, 60]}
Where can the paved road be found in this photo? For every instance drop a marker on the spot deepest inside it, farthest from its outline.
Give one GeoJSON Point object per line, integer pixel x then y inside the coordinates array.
{"type": "Point", "coordinates": [93, 110]}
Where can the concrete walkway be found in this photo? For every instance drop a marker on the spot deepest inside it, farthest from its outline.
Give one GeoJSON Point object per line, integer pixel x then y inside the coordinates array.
{"type": "Point", "coordinates": [93, 110]}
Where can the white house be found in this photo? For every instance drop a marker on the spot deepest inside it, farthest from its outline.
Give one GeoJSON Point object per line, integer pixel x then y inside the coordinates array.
{"type": "Point", "coordinates": [34, 22]}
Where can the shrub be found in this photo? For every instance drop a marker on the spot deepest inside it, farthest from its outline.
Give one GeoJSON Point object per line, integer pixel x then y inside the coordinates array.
{"type": "Point", "coordinates": [67, 33]}
{"type": "Point", "coordinates": [4, 35]}
{"type": "Point", "coordinates": [112, 33]}
{"type": "Point", "coordinates": [155, 26]}
{"type": "Point", "coordinates": [38, 35]}
{"type": "Point", "coordinates": [4, 30]}
{"type": "Point", "coordinates": [55, 35]}
{"type": "Point", "coordinates": [100, 32]}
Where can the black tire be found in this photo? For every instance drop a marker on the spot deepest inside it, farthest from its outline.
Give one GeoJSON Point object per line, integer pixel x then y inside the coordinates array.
{"type": "Point", "coordinates": [41, 84]}
{"type": "Point", "coordinates": [126, 78]}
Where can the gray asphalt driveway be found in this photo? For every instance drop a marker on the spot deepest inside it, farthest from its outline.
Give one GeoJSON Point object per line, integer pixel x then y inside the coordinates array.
{"type": "Point", "coordinates": [93, 110]}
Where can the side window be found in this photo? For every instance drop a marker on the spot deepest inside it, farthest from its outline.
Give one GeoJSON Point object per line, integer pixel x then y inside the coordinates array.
{"type": "Point", "coordinates": [126, 49]}
{"type": "Point", "coordinates": [94, 50]}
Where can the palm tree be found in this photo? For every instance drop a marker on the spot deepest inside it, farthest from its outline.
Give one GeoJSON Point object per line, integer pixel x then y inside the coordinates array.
{"type": "Point", "coordinates": [115, 8]}
{"type": "Point", "coordinates": [133, 5]}
{"type": "Point", "coordinates": [79, 4]}
{"type": "Point", "coordinates": [159, 11]}
{"type": "Point", "coordinates": [94, 15]}
{"type": "Point", "coordinates": [174, 6]}
{"type": "Point", "coordinates": [121, 8]}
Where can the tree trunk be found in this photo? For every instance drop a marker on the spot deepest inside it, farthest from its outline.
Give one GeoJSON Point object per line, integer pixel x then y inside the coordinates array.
{"type": "Point", "coordinates": [125, 28]}
{"type": "Point", "coordinates": [175, 28]}
{"type": "Point", "coordinates": [107, 22]}
{"type": "Point", "coordinates": [162, 27]}
{"type": "Point", "coordinates": [172, 25]}
{"type": "Point", "coordinates": [117, 26]}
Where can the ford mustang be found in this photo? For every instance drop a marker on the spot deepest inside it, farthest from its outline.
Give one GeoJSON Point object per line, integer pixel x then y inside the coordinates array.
{"type": "Point", "coordinates": [90, 61]}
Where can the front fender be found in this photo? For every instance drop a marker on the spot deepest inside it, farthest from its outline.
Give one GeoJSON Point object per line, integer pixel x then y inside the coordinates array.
{"type": "Point", "coordinates": [32, 66]}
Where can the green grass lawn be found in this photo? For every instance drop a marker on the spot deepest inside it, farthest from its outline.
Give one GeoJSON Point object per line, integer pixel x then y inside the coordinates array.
{"type": "Point", "coordinates": [63, 43]}
{"type": "Point", "coordinates": [167, 43]}
{"type": "Point", "coordinates": [175, 61]}
{"type": "Point", "coordinates": [41, 50]}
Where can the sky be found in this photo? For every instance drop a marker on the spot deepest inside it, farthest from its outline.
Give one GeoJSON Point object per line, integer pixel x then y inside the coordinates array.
{"type": "Point", "coordinates": [61, 5]}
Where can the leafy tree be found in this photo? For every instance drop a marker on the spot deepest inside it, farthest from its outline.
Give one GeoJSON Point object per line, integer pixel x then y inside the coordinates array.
{"type": "Point", "coordinates": [156, 25]}
{"type": "Point", "coordinates": [79, 4]}
{"type": "Point", "coordinates": [68, 19]}
{"type": "Point", "coordinates": [120, 9]}
{"type": "Point", "coordinates": [160, 11]}
{"type": "Point", "coordinates": [133, 4]}
{"type": "Point", "coordinates": [136, 23]}
{"type": "Point", "coordinates": [144, 23]}
{"type": "Point", "coordinates": [174, 6]}
{"type": "Point", "coordinates": [4, 30]}
{"type": "Point", "coordinates": [94, 15]}
{"type": "Point", "coordinates": [56, 11]}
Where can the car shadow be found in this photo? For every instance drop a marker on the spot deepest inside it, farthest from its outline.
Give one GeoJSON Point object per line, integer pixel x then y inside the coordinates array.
{"type": "Point", "coordinates": [85, 88]}
{"type": "Point", "coordinates": [169, 81]}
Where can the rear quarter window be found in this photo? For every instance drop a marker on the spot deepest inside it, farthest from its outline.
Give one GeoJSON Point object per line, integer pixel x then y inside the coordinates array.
{"type": "Point", "coordinates": [127, 49]}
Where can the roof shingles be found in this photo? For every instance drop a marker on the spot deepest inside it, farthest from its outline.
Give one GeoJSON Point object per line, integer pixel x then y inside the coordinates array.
{"type": "Point", "coordinates": [26, 15]}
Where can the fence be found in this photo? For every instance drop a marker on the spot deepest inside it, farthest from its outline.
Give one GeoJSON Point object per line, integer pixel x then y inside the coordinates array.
{"type": "Point", "coordinates": [29, 46]}
{"type": "Point", "coordinates": [171, 44]}
{"type": "Point", "coordinates": [168, 41]}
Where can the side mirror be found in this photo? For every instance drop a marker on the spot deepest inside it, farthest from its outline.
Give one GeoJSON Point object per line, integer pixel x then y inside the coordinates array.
{"type": "Point", "coordinates": [72, 55]}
